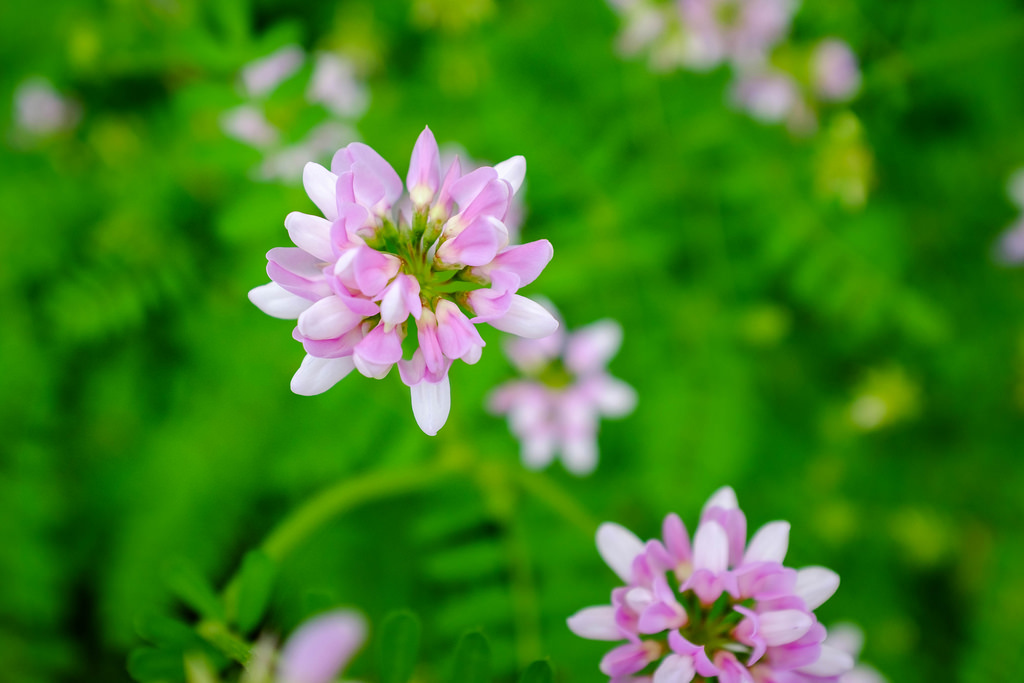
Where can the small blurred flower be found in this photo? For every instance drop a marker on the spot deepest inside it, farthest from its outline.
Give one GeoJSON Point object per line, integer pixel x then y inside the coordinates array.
{"type": "Point", "coordinates": [286, 164]}
{"type": "Point", "coordinates": [248, 124]}
{"type": "Point", "coordinates": [1009, 249]}
{"type": "Point", "coordinates": [321, 647]}
{"type": "Point", "coordinates": [834, 71]}
{"type": "Point", "coordinates": [850, 639]}
{"type": "Point", "coordinates": [556, 409]}
{"type": "Point", "coordinates": [40, 110]}
{"type": "Point", "coordinates": [382, 264]}
{"type": "Point", "coordinates": [334, 84]}
{"type": "Point", "coordinates": [262, 76]}
{"type": "Point", "coordinates": [768, 96]}
{"type": "Point", "coordinates": [714, 607]}
{"type": "Point", "coordinates": [741, 31]}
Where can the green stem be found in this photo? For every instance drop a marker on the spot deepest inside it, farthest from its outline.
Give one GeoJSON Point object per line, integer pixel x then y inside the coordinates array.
{"type": "Point", "coordinates": [525, 604]}
{"type": "Point", "coordinates": [340, 498]}
{"type": "Point", "coordinates": [555, 497]}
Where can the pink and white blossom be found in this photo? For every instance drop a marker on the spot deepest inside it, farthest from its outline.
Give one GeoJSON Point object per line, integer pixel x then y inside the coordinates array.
{"type": "Point", "coordinates": [835, 73]}
{"type": "Point", "coordinates": [383, 271]}
{"type": "Point", "coordinates": [566, 389]}
{"type": "Point", "coordinates": [739, 31]}
{"type": "Point", "coordinates": [40, 110]}
{"type": "Point", "coordinates": [717, 606]}
{"type": "Point", "coordinates": [321, 648]}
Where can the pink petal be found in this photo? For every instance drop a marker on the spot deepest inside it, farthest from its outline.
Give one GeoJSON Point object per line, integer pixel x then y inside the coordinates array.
{"type": "Point", "coordinates": [589, 348]}
{"type": "Point", "coordinates": [274, 300]}
{"type": "Point", "coordinates": [298, 272]}
{"type": "Point", "coordinates": [724, 498]}
{"type": "Point", "coordinates": [525, 260]}
{"type": "Point", "coordinates": [526, 318]}
{"type": "Point", "coordinates": [677, 541]}
{"type": "Point", "coordinates": [321, 185]}
{"type": "Point", "coordinates": [783, 626]}
{"type": "Point", "coordinates": [476, 245]}
{"type": "Point", "coordinates": [378, 351]}
{"type": "Point", "coordinates": [401, 299]}
{"type": "Point", "coordinates": [465, 189]}
{"type": "Point", "coordinates": [711, 548]}
{"type": "Point", "coordinates": [595, 623]}
{"type": "Point", "coordinates": [618, 547]}
{"type": "Point", "coordinates": [424, 170]}
{"type": "Point", "coordinates": [431, 403]}
{"type": "Point", "coordinates": [625, 659]}
{"type": "Point", "coordinates": [442, 208]}
{"type": "Point", "coordinates": [328, 318]}
{"type": "Point", "coordinates": [769, 544]}
{"type": "Point", "coordinates": [816, 585]}
{"type": "Point", "coordinates": [831, 662]}
{"type": "Point", "coordinates": [455, 334]}
{"type": "Point", "coordinates": [512, 171]}
{"type": "Point", "coordinates": [317, 375]}
{"type": "Point", "coordinates": [311, 234]}
{"type": "Point", "coordinates": [675, 669]}
{"type": "Point", "coordinates": [321, 647]}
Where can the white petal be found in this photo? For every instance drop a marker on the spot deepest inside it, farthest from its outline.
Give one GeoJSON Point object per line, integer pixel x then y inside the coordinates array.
{"type": "Point", "coordinates": [769, 544]}
{"type": "Point", "coordinates": [711, 547]}
{"type": "Point", "coordinates": [618, 547]}
{"type": "Point", "coordinates": [431, 402]}
{"type": "Point", "coordinates": [614, 397]}
{"type": "Point", "coordinates": [312, 234]}
{"type": "Point", "coordinates": [832, 662]}
{"type": "Point", "coordinates": [580, 455]}
{"type": "Point", "coordinates": [675, 669]}
{"type": "Point", "coordinates": [317, 375]}
{"type": "Point", "coordinates": [321, 186]}
{"type": "Point", "coordinates": [816, 585]}
{"type": "Point", "coordinates": [595, 623]}
{"type": "Point", "coordinates": [589, 348]}
{"type": "Point", "coordinates": [512, 171]}
{"type": "Point", "coordinates": [724, 497]}
{"type": "Point", "coordinates": [273, 300]}
{"type": "Point", "coordinates": [783, 626]}
{"type": "Point", "coordinates": [526, 318]}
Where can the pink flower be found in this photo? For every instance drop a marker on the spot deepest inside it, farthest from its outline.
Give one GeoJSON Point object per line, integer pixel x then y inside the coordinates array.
{"type": "Point", "coordinates": [383, 271]}
{"type": "Point", "coordinates": [834, 70]}
{"type": "Point", "coordinates": [850, 639]}
{"type": "Point", "coordinates": [726, 607]}
{"type": "Point", "coordinates": [40, 110]}
{"type": "Point", "coordinates": [335, 85]}
{"type": "Point", "coordinates": [556, 408]}
{"type": "Point", "coordinates": [321, 647]}
{"type": "Point", "coordinates": [740, 31]}
{"type": "Point", "coordinates": [260, 77]}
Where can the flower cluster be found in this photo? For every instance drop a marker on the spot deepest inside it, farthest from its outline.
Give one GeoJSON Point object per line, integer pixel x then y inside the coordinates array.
{"type": "Point", "coordinates": [318, 650]}
{"type": "Point", "coordinates": [379, 271]}
{"type": "Point", "coordinates": [556, 407]}
{"type": "Point", "coordinates": [1010, 246]}
{"type": "Point", "coordinates": [703, 34]}
{"type": "Point", "coordinates": [719, 607]}
{"type": "Point", "coordinates": [333, 84]}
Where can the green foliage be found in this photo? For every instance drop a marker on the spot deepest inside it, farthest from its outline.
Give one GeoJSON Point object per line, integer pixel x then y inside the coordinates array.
{"type": "Point", "coordinates": [538, 672]}
{"type": "Point", "coordinates": [398, 645]}
{"type": "Point", "coordinates": [816, 321]}
{"type": "Point", "coordinates": [472, 662]}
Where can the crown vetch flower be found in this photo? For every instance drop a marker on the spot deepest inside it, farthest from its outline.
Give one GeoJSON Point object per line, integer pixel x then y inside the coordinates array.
{"type": "Point", "coordinates": [384, 279]}
{"type": "Point", "coordinates": [718, 606]}
{"type": "Point", "coordinates": [566, 389]}
{"type": "Point", "coordinates": [321, 647]}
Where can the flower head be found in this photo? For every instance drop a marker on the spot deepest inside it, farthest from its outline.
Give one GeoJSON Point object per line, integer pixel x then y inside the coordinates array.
{"type": "Point", "coordinates": [834, 70]}
{"type": "Point", "coordinates": [384, 272]}
{"type": "Point", "coordinates": [321, 647]}
{"type": "Point", "coordinates": [714, 606]}
{"type": "Point", "coordinates": [566, 389]}
{"type": "Point", "coordinates": [739, 31]}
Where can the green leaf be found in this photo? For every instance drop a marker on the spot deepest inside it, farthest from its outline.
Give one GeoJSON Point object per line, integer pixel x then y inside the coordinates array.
{"type": "Point", "coordinates": [255, 585]}
{"type": "Point", "coordinates": [472, 660]}
{"type": "Point", "coordinates": [399, 644]}
{"type": "Point", "coordinates": [193, 589]}
{"type": "Point", "coordinates": [161, 630]}
{"type": "Point", "coordinates": [538, 672]}
{"type": "Point", "coordinates": [221, 637]}
{"type": "Point", "coordinates": [156, 664]}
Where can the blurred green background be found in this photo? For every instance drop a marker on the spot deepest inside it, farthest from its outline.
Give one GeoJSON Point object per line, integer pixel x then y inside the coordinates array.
{"type": "Point", "coordinates": [857, 370]}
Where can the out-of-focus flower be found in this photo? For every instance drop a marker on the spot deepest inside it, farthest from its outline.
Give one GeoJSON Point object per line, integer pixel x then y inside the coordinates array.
{"type": "Point", "coordinates": [769, 96]}
{"type": "Point", "coordinates": [286, 164]}
{"type": "Point", "coordinates": [834, 71]}
{"type": "Point", "coordinates": [321, 648]}
{"type": "Point", "coordinates": [1010, 246]}
{"type": "Point", "coordinates": [248, 124]}
{"type": "Point", "coordinates": [334, 84]}
{"type": "Point", "coordinates": [40, 110]}
{"type": "Point", "coordinates": [850, 639]}
{"type": "Point", "coordinates": [714, 607]}
{"type": "Point", "coordinates": [382, 264]}
{"type": "Point", "coordinates": [262, 76]}
{"type": "Point", "coordinates": [741, 31]}
{"type": "Point", "coordinates": [566, 391]}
